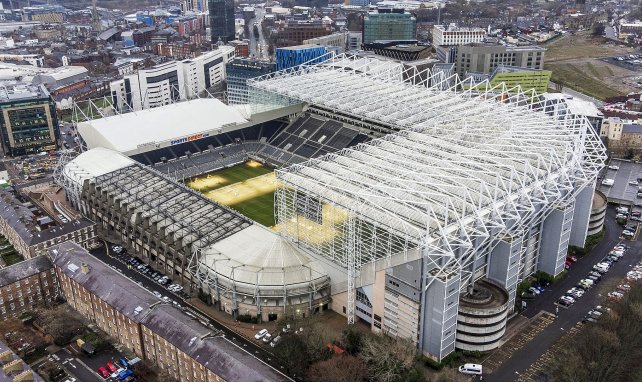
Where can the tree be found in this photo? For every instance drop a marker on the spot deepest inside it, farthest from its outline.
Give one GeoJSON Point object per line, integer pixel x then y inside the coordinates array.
{"type": "Point", "coordinates": [352, 340]}
{"type": "Point", "coordinates": [294, 354]}
{"type": "Point", "coordinates": [598, 30]}
{"type": "Point", "coordinates": [388, 358]}
{"type": "Point", "coordinates": [60, 322]}
{"type": "Point", "coordinates": [340, 368]}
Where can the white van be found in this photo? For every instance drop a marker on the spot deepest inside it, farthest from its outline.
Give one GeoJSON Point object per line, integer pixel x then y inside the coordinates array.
{"type": "Point", "coordinates": [622, 210]}
{"type": "Point", "coordinates": [471, 368]}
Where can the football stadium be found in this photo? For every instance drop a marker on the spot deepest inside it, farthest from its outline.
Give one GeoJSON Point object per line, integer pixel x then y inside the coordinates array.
{"type": "Point", "coordinates": [359, 185]}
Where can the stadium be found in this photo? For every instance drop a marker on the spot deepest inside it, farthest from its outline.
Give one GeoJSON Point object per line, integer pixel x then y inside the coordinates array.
{"type": "Point", "coordinates": [396, 199]}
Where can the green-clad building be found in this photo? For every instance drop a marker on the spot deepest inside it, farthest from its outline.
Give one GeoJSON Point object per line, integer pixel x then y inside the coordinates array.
{"type": "Point", "coordinates": [513, 76]}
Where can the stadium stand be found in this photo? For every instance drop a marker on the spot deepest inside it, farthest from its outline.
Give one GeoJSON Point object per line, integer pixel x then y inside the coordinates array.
{"type": "Point", "coordinates": [274, 143]}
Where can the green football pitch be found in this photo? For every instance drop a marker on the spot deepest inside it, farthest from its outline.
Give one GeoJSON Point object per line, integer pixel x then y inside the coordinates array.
{"type": "Point", "coordinates": [247, 188]}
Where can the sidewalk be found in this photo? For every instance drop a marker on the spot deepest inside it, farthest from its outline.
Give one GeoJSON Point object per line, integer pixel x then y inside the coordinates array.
{"type": "Point", "coordinates": [241, 328]}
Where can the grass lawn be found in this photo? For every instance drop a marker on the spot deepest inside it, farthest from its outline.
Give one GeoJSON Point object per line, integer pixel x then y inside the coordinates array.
{"type": "Point", "coordinates": [247, 188]}
{"type": "Point", "coordinates": [227, 176]}
{"type": "Point", "coordinates": [259, 209]}
{"type": "Point", "coordinates": [584, 77]}
{"type": "Point", "coordinates": [583, 45]}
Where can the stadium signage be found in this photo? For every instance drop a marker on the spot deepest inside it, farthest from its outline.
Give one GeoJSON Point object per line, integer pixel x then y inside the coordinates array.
{"type": "Point", "coordinates": [188, 138]}
{"type": "Point", "coordinates": [141, 145]}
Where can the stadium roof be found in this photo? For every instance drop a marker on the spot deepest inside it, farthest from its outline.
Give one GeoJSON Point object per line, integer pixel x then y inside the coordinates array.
{"type": "Point", "coordinates": [94, 163]}
{"type": "Point", "coordinates": [129, 132]}
{"type": "Point", "coordinates": [258, 256]}
{"type": "Point", "coordinates": [460, 160]}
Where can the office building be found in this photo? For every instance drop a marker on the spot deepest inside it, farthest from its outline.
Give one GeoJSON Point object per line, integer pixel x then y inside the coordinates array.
{"type": "Point", "coordinates": [171, 81]}
{"type": "Point", "coordinates": [355, 40]}
{"type": "Point", "coordinates": [335, 42]}
{"type": "Point", "coordinates": [389, 24]}
{"type": "Point", "coordinates": [292, 56]}
{"type": "Point", "coordinates": [27, 286]}
{"type": "Point", "coordinates": [222, 24]}
{"type": "Point", "coordinates": [294, 32]}
{"type": "Point", "coordinates": [154, 331]}
{"type": "Point", "coordinates": [452, 35]}
{"type": "Point", "coordinates": [238, 72]}
{"type": "Point", "coordinates": [28, 122]}
{"type": "Point", "coordinates": [485, 58]}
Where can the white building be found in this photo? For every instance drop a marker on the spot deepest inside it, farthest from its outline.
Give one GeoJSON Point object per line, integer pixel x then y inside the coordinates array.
{"type": "Point", "coordinates": [171, 81]}
{"type": "Point", "coordinates": [447, 35]}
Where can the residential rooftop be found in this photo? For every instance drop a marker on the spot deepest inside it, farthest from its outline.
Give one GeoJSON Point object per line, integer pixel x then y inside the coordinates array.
{"type": "Point", "coordinates": [24, 269]}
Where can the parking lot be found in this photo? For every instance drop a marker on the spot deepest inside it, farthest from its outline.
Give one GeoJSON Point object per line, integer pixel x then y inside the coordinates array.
{"type": "Point", "coordinates": [121, 263]}
{"type": "Point", "coordinates": [570, 316]}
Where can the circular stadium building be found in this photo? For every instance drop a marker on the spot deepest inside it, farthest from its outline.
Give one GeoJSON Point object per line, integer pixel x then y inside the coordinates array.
{"type": "Point", "coordinates": [257, 273]}
{"type": "Point", "coordinates": [598, 213]}
{"type": "Point", "coordinates": [481, 321]}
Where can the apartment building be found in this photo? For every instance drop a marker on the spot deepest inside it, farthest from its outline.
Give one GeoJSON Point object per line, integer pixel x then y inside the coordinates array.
{"type": "Point", "coordinates": [147, 326]}
{"type": "Point", "coordinates": [31, 233]}
{"type": "Point", "coordinates": [26, 286]}
{"type": "Point", "coordinates": [171, 81]}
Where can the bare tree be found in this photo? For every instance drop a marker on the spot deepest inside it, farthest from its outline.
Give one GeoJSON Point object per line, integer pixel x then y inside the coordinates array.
{"type": "Point", "coordinates": [341, 368]}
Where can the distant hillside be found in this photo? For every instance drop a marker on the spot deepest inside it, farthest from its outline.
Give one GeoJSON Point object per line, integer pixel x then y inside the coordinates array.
{"type": "Point", "coordinates": [117, 4]}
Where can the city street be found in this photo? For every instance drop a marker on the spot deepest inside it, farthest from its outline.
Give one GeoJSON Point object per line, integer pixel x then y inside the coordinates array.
{"type": "Point", "coordinates": [259, 351]}
{"type": "Point", "coordinates": [77, 368]}
{"type": "Point", "coordinates": [569, 317]}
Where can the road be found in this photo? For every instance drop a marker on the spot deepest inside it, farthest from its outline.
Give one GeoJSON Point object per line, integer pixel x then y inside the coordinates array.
{"type": "Point", "coordinates": [258, 351]}
{"type": "Point", "coordinates": [529, 353]}
{"type": "Point", "coordinates": [73, 365]}
{"type": "Point", "coordinates": [258, 47]}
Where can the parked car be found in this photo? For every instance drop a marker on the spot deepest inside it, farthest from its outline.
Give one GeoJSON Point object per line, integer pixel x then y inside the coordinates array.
{"type": "Point", "coordinates": [111, 367]}
{"type": "Point", "coordinates": [637, 213]}
{"type": "Point", "coordinates": [613, 167]}
{"type": "Point", "coordinates": [275, 341]}
{"type": "Point", "coordinates": [534, 291]}
{"type": "Point", "coordinates": [563, 302]}
{"type": "Point", "coordinates": [260, 334]}
{"type": "Point", "coordinates": [631, 227]}
{"type": "Point", "coordinates": [627, 233]}
{"type": "Point", "coordinates": [568, 298]}
{"type": "Point", "coordinates": [267, 338]}
{"type": "Point", "coordinates": [103, 372]}
{"type": "Point", "coordinates": [615, 296]}
{"type": "Point", "coordinates": [571, 258]}
{"type": "Point", "coordinates": [155, 293]}
{"type": "Point", "coordinates": [123, 362]}
{"type": "Point", "coordinates": [624, 288]}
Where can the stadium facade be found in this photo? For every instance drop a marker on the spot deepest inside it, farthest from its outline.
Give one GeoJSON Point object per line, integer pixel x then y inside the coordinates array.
{"type": "Point", "coordinates": [401, 202]}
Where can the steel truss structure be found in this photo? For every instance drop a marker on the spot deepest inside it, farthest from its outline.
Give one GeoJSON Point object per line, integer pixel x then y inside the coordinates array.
{"type": "Point", "coordinates": [465, 168]}
{"type": "Point", "coordinates": [101, 107]}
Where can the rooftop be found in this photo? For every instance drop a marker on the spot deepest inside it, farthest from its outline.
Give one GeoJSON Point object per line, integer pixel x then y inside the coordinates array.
{"type": "Point", "coordinates": [129, 132]}
{"type": "Point", "coordinates": [101, 280]}
{"type": "Point", "coordinates": [632, 128]}
{"type": "Point", "coordinates": [24, 372]}
{"type": "Point", "coordinates": [213, 351]}
{"type": "Point", "coordinates": [621, 191]}
{"type": "Point", "coordinates": [22, 92]}
{"type": "Point", "coordinates": [24, 269]}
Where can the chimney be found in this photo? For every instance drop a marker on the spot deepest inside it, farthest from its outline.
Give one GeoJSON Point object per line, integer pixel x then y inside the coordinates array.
{"type": "Point", "coordinates": [84, 268]}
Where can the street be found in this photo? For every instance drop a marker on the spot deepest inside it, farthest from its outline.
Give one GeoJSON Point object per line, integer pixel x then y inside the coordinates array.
{"type": "Point", "coordinates": [567, 318]}
{"type": "Point", "coordinates": [258, 47]}
{"type": "Point", "coordinates": [77, 368]}
{"type": "Point", "coordinates": [118, 262]}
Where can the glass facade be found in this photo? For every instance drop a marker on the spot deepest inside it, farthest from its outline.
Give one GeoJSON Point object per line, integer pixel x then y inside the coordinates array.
{"type": "Point", "coordinates": [389, 24]}
{"type": "Point", "coordinates": [238, 72]}
{"type": "Point", "coordinates": [28, 127]}
{"type": "Point", "coordinates": [221, 20]}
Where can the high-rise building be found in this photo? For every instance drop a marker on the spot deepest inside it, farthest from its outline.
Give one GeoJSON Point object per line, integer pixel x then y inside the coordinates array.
{"type": "Point", "coordinates": [389, 24]}
{"type": "Point", "coordinates": [221, 20]}
{"type": "Point", "coordinates": [241, 70]}
{"type": "Point", "coordinates": [485, 58]}
{"type": "Point", "coordinates": [28, 121]}
{"type": "Point", "coordinates": [172, 81]}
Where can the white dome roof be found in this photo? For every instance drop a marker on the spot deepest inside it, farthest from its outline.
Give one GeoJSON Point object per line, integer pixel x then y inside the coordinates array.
{"type": "Point", "coordinates": [94, 163]}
